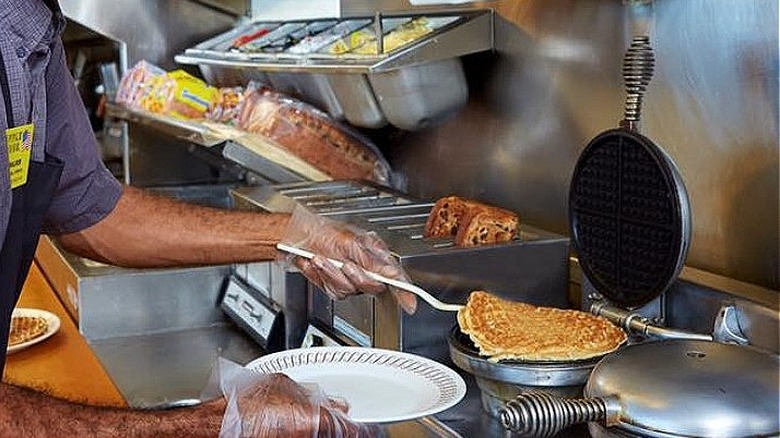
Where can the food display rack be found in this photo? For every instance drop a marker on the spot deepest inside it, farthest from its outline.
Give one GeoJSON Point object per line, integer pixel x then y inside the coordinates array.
{"type": "Point", "coordinates": [468, 32]}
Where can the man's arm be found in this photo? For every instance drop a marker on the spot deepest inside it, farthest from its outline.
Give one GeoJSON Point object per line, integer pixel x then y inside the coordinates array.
{"type": "Point", "coordinates": [146, 230]}
{"type": "Point", "coordinates": [29, 414]}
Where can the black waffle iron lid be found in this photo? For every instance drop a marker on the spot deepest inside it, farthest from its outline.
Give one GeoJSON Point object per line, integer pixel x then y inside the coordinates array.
{"type": "Point", "coordinates": [628, 208]}
{"type": "Point", "coordinates": [629, 217]}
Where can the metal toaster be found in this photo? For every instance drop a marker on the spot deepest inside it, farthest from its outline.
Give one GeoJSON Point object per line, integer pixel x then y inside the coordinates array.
{"type": "Point", "coordinates": [532, 268]}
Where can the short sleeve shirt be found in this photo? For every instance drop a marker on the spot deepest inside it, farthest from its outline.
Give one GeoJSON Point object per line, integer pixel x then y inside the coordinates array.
{"type": "Point", "coordinates": [43, 92]}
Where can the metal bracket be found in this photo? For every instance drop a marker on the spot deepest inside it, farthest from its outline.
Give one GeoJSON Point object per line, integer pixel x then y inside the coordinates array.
{"type": "Point", "coordinates": [635, 324]}
{"type": "Point", "coordinates": [727, 328]}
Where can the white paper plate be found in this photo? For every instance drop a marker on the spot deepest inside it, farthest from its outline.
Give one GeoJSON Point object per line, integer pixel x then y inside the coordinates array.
{"type": "Point", "coordinates": [53, 325]}
{"type": "Point", "coordinates": [380, 385]}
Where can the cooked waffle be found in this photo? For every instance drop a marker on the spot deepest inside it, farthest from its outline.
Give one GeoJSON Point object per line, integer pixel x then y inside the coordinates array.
{"type": "Point", "coordinates": [503, 329]}
{"type": "Point", "coordinates": [26, 328]}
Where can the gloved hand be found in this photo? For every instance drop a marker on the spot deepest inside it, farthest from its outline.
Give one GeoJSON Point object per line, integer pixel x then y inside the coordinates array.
{"type": "Point", "coordinates": [275, 406]}
{"type": "Point", "coordinates": [360, 251]}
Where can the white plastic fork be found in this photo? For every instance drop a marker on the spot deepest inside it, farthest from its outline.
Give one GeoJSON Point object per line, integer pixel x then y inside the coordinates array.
{"type": "Point", "coordinates": [428, 298]}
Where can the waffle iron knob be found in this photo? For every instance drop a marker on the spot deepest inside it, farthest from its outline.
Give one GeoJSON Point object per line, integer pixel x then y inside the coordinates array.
{"type": "Point", "coordinates": [543, 415]}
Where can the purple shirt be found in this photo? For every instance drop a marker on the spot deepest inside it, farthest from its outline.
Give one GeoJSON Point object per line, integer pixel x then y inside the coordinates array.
{"type": "Point", "coordinates": [30, 44]}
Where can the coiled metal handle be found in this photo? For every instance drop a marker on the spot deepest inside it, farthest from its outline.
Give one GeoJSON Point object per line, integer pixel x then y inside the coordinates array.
{"type": "Point", "coordinates": [542, 415]}
{"type": "Point", "coordinates": [638, 68]}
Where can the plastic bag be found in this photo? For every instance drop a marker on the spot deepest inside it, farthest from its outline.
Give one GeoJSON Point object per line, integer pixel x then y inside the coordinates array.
{"type": "Point", "coordinates": [273, 405]}
{"type": "Point", "coordinates": [313, 136]}
{"type": "Point", "coordinates": [228, 102]}
{"type": "Point", "coordinates": [359, 250]}
{"type": "Point", "coordinates": [176, 94]}
{"type": "Point", "coordinates": [136, 82]}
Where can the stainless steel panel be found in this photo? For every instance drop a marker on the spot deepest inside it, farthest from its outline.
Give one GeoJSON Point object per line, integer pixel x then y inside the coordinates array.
{"type": "Point", "coordinates": [172, 368]}
{"type": "Point", "coordinates": [107, 301]}
{"type": "Point", "coordinates": [234, 7]}
{"type": "Point", "coordinates": [265, 170]}
{"type": "Point", "coordinates": [276, 9]}
{"type": "Point", "coordinates": [152, 30]}
{"type": "Point", "coordinates": [554, 82]}
{"type": "Point", "coordinates": [357, 100]}
{"type": "Point", "coordinates": [420, 96]}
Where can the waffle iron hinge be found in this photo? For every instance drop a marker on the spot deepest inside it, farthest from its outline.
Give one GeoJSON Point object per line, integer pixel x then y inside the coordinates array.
{"type": "Point", "coordinates": [637, 325]}
{"type": "Point", "coordinates": [727, 328]}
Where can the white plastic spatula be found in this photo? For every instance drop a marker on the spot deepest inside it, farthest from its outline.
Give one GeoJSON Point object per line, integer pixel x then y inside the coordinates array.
{"type": "Point", "coordinates": [430, 299]}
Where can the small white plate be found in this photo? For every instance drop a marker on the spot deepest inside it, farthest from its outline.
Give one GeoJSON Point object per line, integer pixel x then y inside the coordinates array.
{"type": "Point", "coordinates": [380, 386]}
{"type": "Point", "coordinates": [53, 324]}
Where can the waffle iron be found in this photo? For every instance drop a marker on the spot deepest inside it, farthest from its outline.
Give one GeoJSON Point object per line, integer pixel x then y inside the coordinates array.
{"type": "Point", "coordinates": [628, 207]}
{"type": "Point", "coordinates": [630, 226]}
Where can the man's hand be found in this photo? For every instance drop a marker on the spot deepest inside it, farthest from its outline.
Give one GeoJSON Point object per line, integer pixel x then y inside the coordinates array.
{"type": "Point", "coordinates": [273, 405]}
{"type": "Point", "coordinates": [360, 251]}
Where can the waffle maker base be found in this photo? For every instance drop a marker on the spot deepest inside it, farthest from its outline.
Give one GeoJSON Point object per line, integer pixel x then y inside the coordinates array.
{"type": "Point", "coordinates": [501, 381]}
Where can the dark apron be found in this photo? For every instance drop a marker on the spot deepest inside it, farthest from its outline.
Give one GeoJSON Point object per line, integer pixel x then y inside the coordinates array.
{"type": "Point", "coordinates": [28, 208]}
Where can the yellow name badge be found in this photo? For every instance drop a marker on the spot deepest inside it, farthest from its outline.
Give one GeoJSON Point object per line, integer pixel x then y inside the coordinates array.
{"type": "Point", "coordinates": [19, 141]}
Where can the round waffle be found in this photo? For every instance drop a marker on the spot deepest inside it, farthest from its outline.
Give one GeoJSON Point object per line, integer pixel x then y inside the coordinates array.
{"type": "Point", "coordinates": [503, 329]}
{"type": "Point", "coordinates": [25, 328]}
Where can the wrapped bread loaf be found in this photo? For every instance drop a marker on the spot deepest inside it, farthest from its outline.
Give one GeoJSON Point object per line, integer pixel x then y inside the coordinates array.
{"type": "Point", "coordinates": [227, 105]}
{"type": "Point", "coordinates": [177, 94]}
{"type": "Point", "coordinates": [471, 222]}
{"type": "Point", "coordinates": [313, 136]}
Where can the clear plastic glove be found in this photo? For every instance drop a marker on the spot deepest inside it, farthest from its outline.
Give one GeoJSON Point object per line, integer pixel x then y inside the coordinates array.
{"type": "Point", "coordinates": [360, 251]}
{"type": "Point", "coordinates": [274, 406]}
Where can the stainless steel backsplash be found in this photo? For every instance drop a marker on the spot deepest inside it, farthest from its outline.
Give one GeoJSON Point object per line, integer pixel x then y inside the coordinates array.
{"type": "Point", "coordinates": [554, 82]}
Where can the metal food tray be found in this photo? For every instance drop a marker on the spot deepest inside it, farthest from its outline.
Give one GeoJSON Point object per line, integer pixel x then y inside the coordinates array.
{"type": "Point", "coordinates": [471, 32]}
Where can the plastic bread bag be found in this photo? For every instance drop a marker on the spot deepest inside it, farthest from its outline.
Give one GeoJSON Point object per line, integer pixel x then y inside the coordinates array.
{"type": "Point", "coordinates": [312, 135]}
{"type": "Point", "coordinates": [135, 82]}
{"type": "Point", "coordinates": [273, 405]}
{"type": "Point", "coordinates": [177, 93]}
{"type": "Point", "coordinates": [228, 102]}
{"type": "Point", "coordinates": [182, 95]}
{"type": "Point", "coordinates": [358, 249]}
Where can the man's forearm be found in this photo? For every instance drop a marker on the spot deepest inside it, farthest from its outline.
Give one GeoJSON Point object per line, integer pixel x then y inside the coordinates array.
{"type": "Point", "coordinates": [151, 231]}
{"type": "Point", "coordinates": [26, 413]}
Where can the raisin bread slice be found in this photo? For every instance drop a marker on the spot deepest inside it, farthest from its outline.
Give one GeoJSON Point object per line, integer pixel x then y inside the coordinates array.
{"type": "Point", "coordinates": [445, 216]}
{"type": "Point", "coordinates": [487, 225]}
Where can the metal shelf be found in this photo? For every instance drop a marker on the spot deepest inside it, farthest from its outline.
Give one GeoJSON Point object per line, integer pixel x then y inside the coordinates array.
{"type": "Point", "coordinates": [471, 32]}
{"type": "Point", "coordinates": [254, 152]}
{"type": "Point", "coordinates": [191, 131]}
